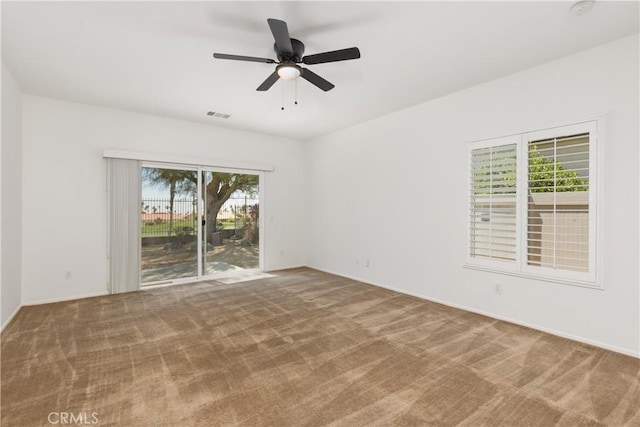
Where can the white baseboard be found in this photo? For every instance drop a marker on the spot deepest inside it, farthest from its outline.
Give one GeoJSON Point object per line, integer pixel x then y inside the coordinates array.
{"type": "Point", "coordinates": [605, 346]}
{"type": "Point", "coordinates": [278, 268]}
{"type": "Point", "coordinates": [10, 318]}
{"type": "Point", "coordinates": [69, 298]}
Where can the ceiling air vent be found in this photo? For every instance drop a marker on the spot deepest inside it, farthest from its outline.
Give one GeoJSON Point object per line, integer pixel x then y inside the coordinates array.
{"type": "Point", "coordinates": [219, 115]}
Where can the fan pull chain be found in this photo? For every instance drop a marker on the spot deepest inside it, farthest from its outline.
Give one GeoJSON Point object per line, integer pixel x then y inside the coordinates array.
{"type": "Point", "coordinates": [282, 91]}
{"type": "Point", "coordinates": [295, 101]}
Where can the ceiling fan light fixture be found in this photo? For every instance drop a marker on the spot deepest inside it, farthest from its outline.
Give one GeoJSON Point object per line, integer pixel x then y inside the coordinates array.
{"type": "Point", "coordinates": [289, 52]}
{"type": "Point", "coordinates": [289, 71]}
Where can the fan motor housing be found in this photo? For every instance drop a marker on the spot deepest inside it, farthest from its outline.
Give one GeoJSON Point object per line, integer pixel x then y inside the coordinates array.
{"type": "Point", "coordinates": [298, 51]}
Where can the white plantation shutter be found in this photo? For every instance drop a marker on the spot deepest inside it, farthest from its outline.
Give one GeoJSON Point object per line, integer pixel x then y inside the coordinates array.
{"type": "Point", "coordinates": [559, 214]}
{"type": "Point", "coordinates": [532, 204]}
{"type": "Point", "coordinates": [493, 203]}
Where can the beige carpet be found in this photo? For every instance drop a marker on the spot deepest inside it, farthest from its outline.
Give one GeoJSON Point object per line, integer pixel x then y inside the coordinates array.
{"type": "Point", "coordinates": [244, 275]}
{"type": "Point", "coordinates": [301, 348]}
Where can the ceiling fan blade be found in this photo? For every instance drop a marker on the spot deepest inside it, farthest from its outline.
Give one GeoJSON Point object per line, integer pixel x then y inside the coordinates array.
{"type": "Point", "coordinates": [316, 80]}
{"type": "Point", "coordinates": [269, 82]}
{"type": "Point", "coordinates": [333, 56]}
{"type": "Point", "coordinates": [281, 35]}
{"type": "Point", "coordinates": [243, 58]}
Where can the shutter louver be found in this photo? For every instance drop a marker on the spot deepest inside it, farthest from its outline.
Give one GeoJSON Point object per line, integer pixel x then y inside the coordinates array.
{"type": "Point", "coordinates": [493, 203]}
{"type": "Point", "coordinates": [558, 203]}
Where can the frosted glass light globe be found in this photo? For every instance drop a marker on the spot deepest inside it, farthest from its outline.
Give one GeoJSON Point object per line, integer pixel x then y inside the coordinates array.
{"type": "Point", "coordinates": [288, 72]}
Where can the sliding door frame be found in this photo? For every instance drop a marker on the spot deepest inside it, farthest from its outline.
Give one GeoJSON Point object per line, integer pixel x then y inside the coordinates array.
{"type": "Point", "coordinates": [199, 169]}
{"type": "Point", "coordinates": [201, 211]}
{"type": "Point", "coordinates": [190, 279]}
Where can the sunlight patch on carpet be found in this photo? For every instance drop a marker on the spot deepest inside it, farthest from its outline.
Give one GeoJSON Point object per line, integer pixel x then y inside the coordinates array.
{"type": "Point", "coordinates": [245, 277]}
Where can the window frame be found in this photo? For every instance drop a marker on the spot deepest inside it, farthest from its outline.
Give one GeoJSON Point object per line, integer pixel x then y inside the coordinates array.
{"type": "Point", "coordinates": [490, 263]}
{"type": "Point", "coordinates": [520, 267]}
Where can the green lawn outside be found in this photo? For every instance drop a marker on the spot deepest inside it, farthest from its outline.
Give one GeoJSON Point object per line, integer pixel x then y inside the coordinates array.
{"type": "Point", "coordinates": [161, 229]}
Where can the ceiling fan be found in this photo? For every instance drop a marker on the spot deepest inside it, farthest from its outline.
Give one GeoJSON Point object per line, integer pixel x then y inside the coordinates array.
{"type": "Point", "coordinates": [289, 52]}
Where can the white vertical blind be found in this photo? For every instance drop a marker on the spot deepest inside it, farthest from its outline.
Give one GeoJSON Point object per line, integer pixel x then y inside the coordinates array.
{"type": "Point", "coordinates": [493, 203]}
{"type": "Point", "coordinates": [558, 203]}
{"type": "Point", "coordinates": [124, 198]}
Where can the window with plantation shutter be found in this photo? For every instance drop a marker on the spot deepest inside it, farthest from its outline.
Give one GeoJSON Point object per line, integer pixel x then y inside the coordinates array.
{"type": "Point", "coordinates": [493, 203]}
{"type": "Point", "coordinates": [532, 200]}
{"type": "Point", "coordinates": [558, 205]}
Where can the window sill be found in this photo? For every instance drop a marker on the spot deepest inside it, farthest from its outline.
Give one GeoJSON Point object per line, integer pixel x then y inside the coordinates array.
{"type": "Point", "coordinates": [560, 280]}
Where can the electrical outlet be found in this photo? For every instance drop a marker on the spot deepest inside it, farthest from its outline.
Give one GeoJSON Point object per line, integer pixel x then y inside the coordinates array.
{"type": "Point", "coordinates": [498, 289]}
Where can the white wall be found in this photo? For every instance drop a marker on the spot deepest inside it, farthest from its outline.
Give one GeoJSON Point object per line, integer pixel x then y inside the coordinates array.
{"type": "Point", "coordinates": [393, 190]}
{"type": "Point", "coordinates": [64, 205]}
{"type": "Point", "coordinates": [11, 200]}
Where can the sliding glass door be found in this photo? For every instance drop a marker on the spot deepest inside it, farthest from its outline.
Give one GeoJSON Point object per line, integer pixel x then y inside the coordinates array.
{"type": "Point", "coordinates": [169, 222]}
{"type": "Point", "coordinates": [230, 230]}
{"type": "Point", "coordinates": [198, 223]}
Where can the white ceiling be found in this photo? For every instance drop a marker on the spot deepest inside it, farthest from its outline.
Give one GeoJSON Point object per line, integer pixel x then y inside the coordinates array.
{"type": "Point", "coordinates": [156, 57]}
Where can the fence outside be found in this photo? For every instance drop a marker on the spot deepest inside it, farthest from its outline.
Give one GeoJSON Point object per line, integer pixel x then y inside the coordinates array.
{"type": "Point", "coordinates": [567, 220]}
{"type": "Point", "coordinates": [158, 219]}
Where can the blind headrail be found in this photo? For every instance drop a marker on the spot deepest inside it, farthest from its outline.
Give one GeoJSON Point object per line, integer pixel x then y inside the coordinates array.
{"type": "Point", "coordinates": [186, 160]}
